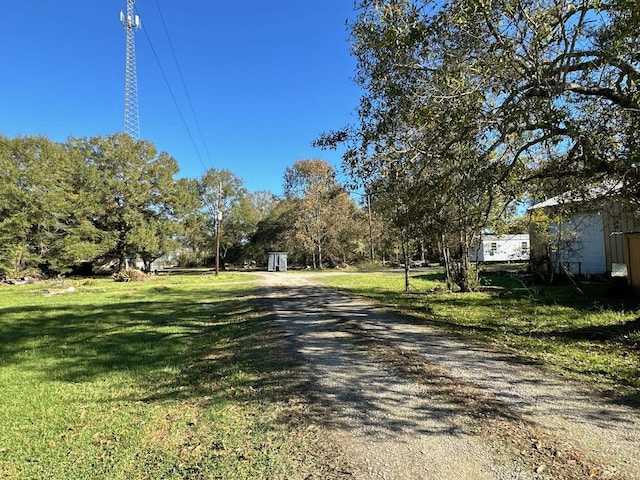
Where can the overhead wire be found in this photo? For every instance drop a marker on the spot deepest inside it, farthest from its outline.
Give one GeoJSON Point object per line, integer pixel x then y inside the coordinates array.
{"type": "Point", "coordinates": [175, 101]}
{"type": "Point", "coordinates": [184, 83]}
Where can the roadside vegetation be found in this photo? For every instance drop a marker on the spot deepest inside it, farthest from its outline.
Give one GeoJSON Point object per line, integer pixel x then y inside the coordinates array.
{"type": "Point", "coordinates": [178, 377]}
{"type": "Point", "coordinates": [587, 331]}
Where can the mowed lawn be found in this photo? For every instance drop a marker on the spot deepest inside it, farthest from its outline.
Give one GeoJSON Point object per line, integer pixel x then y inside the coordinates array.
{"type": "Point", "coordinates": [174, 378]}
{"type": "Point", "coordinates": [588, 331]}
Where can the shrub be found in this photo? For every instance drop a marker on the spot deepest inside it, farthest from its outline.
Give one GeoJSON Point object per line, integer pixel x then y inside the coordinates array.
{"type": "Point", "coordinates": [130, 275]}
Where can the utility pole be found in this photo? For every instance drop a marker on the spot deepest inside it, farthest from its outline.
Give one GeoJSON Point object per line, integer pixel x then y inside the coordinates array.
{"type": "Point", "coordinates": [131, 23]}
{"type": "Point", "coordinates": [218, 227]}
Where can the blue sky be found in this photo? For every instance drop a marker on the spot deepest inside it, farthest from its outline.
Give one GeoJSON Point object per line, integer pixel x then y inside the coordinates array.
{"type": "Point", "coordinates": [265, 78]}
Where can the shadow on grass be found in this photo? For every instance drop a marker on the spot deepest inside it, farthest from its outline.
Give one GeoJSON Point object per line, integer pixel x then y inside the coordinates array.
{"type": "Point", "coordinates": [627, 333]}
{"type": "Point", "coordinates": [171, 346]}
{"type": "Point", "coordinates": [435, 276]}
{"type": "Point", "coordinates": [244, 360]}
{"type": "Point", "coordinates": [585, 295]}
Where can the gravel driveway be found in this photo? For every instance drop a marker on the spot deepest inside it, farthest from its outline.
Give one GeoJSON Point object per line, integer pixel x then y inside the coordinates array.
{"type": "Point", "coordinates": [406, 401]}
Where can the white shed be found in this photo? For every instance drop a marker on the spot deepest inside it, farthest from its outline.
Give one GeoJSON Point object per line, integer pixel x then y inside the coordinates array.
{"type": "Point", "coordinates": [502, 248]}
{"type": "Point", "coordinates": [578, 244]}
{"type": "Point", "coordinates": [277, 262]}
{"type": "Point", "coordinates": [588, 238]}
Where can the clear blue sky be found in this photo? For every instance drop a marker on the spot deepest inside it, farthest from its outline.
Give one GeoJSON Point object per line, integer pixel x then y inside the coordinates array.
{"type": "Point", "coordinates": [265, 78]}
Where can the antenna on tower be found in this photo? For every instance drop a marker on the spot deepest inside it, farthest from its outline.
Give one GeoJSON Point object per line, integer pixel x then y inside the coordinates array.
{"type": "Point", "coordinates": [131, 23]}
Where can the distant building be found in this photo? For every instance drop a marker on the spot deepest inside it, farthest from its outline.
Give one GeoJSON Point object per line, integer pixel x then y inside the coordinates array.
{"type": "Point", "coordinates": [277, 262]}
{"type": "Point", "coordinates": [502, 248]}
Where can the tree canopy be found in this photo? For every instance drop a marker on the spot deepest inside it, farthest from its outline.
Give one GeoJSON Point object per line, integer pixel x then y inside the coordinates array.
{"type": "Point", "coordinates": [138, 198]}
{"type": "Point", "coordinates": [64, 204]}
{"type": "Point", "coordinates": [45, 217]}
{"type": "Point", "coordinates": [324, 216]}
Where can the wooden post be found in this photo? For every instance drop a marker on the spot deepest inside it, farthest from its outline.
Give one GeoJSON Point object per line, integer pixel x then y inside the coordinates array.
{"type": "Point", "coordinates": [632, 244]}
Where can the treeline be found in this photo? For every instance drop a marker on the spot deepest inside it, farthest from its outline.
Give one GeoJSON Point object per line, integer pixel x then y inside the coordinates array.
{"type": "Point", "coordinates": [109, 201]}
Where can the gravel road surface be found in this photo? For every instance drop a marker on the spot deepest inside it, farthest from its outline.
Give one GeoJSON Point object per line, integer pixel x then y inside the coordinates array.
{"type": "Point", "coordinates": [406, 401]}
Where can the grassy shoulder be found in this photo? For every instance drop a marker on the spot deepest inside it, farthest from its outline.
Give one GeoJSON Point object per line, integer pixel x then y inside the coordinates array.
{"type": "Point", "coordinates": [179, 377]}
{"type": "Point", "coordinates": [580, 331]}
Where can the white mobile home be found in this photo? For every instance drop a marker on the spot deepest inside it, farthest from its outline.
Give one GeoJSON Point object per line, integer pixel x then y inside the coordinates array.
{"type": "Point", "coordinates": [502, 248]}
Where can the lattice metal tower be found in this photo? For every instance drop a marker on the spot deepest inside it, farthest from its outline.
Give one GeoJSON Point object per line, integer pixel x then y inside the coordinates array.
{"type": "Point", "coordinates": [131, 23]}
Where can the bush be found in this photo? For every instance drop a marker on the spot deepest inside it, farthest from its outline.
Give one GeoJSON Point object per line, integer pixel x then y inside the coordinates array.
{"type": "Point", "coordinates": [130, 275]}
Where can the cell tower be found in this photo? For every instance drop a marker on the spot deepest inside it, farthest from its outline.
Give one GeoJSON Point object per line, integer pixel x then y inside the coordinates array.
{"type": "Point", "coordinates": [131, 23]}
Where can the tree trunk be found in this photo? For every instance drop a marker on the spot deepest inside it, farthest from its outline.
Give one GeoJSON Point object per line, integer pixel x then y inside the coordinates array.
{"type": "Point", "coordinates": [372, 252]}
{"type": "Point", "coordinates": [446, 257]}
{"type": "Point", "coordinates": [407, 261]}
{"type": "Point", "coordinates": [465, 276]}
{"type": "Point", "coordinates": [407, 287]}
{"type": "Point", "coordinates": [123, 262]}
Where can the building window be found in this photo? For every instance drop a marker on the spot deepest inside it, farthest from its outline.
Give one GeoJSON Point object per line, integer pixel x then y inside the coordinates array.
{"type": "Point", "coordinates": [524, 247]}
{"type": "Point", "coordinates": [493, 248]}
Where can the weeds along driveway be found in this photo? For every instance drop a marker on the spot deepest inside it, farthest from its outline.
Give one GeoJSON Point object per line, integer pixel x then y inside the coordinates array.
{"type": "Point", "coordinates": [406, 401]}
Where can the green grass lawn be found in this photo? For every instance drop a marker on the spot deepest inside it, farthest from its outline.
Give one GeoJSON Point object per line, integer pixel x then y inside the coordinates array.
{"type": "Point", "coordinates": [580, 331]}
{"type": "Point", "coordinates": [174, 378]}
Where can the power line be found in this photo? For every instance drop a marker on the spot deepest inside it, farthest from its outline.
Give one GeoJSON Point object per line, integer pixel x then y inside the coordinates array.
{"type": "Point", "coordinates": [184, 83]}
{"type": "Point", "coordinates": [175, 101]}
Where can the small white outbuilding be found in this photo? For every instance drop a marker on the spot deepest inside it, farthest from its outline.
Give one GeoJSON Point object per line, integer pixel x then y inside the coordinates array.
{"type": "Point", "coordinates": [277, 262]}
{"type": "Point", "coordinates": [502, 248]}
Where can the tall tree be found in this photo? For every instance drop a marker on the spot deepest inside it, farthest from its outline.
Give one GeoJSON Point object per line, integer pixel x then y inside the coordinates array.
{"type": "Point", "coordinates": [563, 82]}
{"type": "Point", "coordinates": [419, 140]}
{"type": "Point", "coordinates": [195, 231]}
{"type": "Point", "coordinates": [135, 194]}
{"type": "Point", "coordinates": [163, 235]}
{"type": "Point", "coordinates": [321, 208]}
{"type": "Point", "coordinates": [44, 218]}
{"type": "Point", "coordinates": [243, 221]}
{"type": "Point", "coordinates": [275, 231]}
